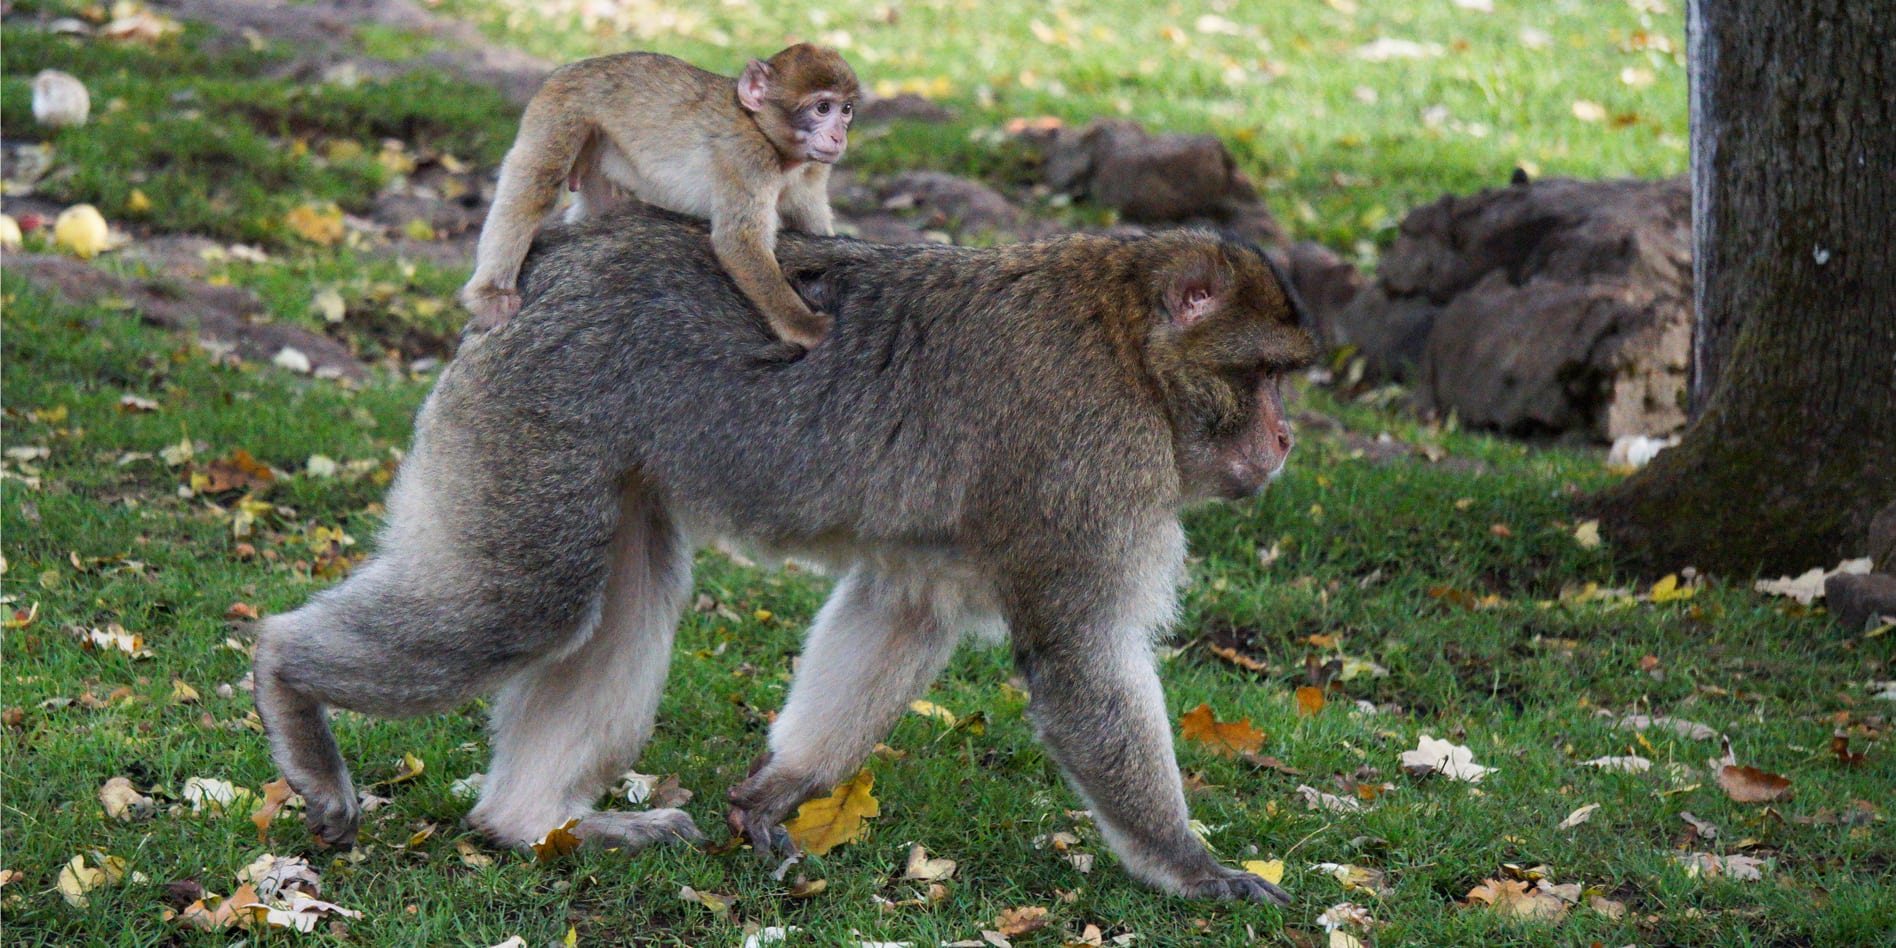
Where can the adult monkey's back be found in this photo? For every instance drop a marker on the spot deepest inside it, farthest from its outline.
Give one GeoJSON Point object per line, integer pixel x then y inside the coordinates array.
{"type": "Point", "coordinates": [1004, 434]}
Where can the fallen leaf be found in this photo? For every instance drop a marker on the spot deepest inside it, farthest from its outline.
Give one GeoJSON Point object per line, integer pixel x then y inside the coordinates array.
{"type": "Point", "coordinates": [1668, 589]}
{"type": "Point", "coordinates": [1516, 898]}
{"type": "Point", "coordinates": [81, 231]}
{"type": "Point", "coordinates": [929, 709]}
{"type": "Point", "coordinates": [1809, 586]}
{"type": "Point", "coordinates": [318, 223]}
{"type": "Point", "coordinates": [1679, 726]}
{"type": "Point", "coordinates": [1606, 906]}
{"type": "Point", "coordinates": [276, 793]}
{"type": "Point", "coordinates": [718, 903]}
{"type": "Point", "coordinates": [183, 693]}
{"type": "Point", "coordinates": [1444, 757]}
{"type": "Point", "coordinates": [1318, 800]}
{"type": "Point", "coordinates": [1751, 785]}
{"type": "Point", "coordinates": [802, 888]}
{"type": "Point", "coordinates": [1703, 829]}
{"type": "Point", "coordinates": [1587, 111]}
{"type": "Point", "coordinates": [1625, 765]}
{"type": "Point", "coordinates": [1710, 866]}
{"type": "Point", "coordinates": [558, 841]}
{"type": "Point", "coordinates": [923, 869]}
{"type": "Point", "coordinates": [1578, 817]}
{"type": "Point", "coordinates": [1587, 534]}
{"type": "Point", "coordinates": [1020, 921]}
{"type": "Point", "coordinates": [218, 796]}
{"type": "Point", "coordinates": [1355, 877]}
{"type": "Point", "coordinates": [471, 855]}
{"type": "Point", "coordinates": [1270, 870]}
{"type": "Point", "coordinates": [122, 801]}
{"type": "Point", "coordinates": [1228, 738]}
{"type": "Point", "coordinates": [825, 823]}
{"type": "Point", "coordinates": [76, 879]}
{"type": "Point", "coordinates": [1309, 700]}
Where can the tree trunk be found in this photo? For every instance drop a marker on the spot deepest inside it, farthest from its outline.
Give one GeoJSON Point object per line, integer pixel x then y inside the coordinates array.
{"type": "Point", "coordinates": [1794, 217]}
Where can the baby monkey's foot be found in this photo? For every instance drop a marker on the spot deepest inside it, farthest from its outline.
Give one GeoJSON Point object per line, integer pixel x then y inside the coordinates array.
{"type": "Point", "coordinates": [490, 305]}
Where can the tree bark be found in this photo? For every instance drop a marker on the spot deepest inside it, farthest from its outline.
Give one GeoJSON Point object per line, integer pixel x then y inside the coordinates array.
{"type": "Point", "coordinates": [1794, 381]}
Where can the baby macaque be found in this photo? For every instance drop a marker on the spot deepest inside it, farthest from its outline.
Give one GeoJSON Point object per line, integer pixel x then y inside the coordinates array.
{"type": "Point", "coordinates": [750, 154]}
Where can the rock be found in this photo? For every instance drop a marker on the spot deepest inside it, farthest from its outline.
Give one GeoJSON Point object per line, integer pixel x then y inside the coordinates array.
{"type": "Point", "coordinates": [948, 202]}
{"type": "Point", "coordinates": [221, 315]}
{"type": "Point", "coordinates": [906, 107]}
{"type": "Point", "coordinates": [1857, 599]}
{"type": "Point", "coordinates": [1883, 540]}
{"type": "Point", "coordinates": [1152, 179]}
{"type": "Point", "coordinates": [1539, 308]}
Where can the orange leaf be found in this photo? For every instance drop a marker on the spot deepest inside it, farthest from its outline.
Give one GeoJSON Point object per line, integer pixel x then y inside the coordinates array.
{"type": "Point", "coordinates": [1229, 738]}
{"type": "Point", "coordinates": [828, 822]}
{"type": "Point", "coordinates": [275, 794]}
{"type": "Point", "coordinates": [1309, 700]}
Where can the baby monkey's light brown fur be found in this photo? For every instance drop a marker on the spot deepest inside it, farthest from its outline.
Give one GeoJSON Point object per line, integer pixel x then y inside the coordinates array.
{"type": "Point", "coordinates": [749, 154]}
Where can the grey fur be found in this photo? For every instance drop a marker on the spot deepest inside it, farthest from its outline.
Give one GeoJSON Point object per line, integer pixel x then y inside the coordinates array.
{"type": "Point", "coordinates": [1004, 434]}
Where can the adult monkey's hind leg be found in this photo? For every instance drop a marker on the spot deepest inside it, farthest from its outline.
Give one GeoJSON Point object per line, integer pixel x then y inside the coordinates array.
{"type": "Point", "coordinates": [565, 727]}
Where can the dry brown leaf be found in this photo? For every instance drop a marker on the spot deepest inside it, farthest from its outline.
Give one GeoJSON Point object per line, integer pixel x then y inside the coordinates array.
{"type": "Point", "coordinates": [1518, 899]}
{"type": "Point", "coordinates": [471, 855]}
{"type": "Point", "coordinates": [1606, 906]}
{"type": "Point", "coordinates": [1229, 738]}
{"type": "Point", "coordinates": [558, 841]}
{"type": "Point", "coordinates": [1751, 785]}
{"type": "Point", "coordinates": [122, 801]}
{"type": "Point", "coordinates": [1020, 921]}
{"type": "Point", "coordinates": [1579, 816]}
{"type": "Point", "coordinates": [923, 869]}
{"type": "Point", "coordinates": [1309, 700]}
{"type": "Point", "coordinates": [1710, 866]}
{"type": "Point", "coordinates": [828, 822]}
{"type": "Point", "coordinates": [238, 471]}
{"type": "Point", "coordinates": [1235, 657]}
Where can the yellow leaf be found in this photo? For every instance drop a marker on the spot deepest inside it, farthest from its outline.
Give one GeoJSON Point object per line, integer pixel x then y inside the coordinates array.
{"type": "Point", "coordinates": [137, 202]}
{"type": "Point", "coordinates": [1669, 590]}
{"type": "Point", "coordinates": [1229, 738]}
{"type": "Point", "coordinates": [316, 223]}
{"type": "Point", "coordinates": [1587, 534]}
{"type": "Point", "coordinates": [558, 841]}
{"type": "Point", "coordinates": [10, 235]}
{"type": "Point", "coordinates": [930, 709]}
{"type": "Point", "coordinates": [1020, 921]}
{"type": "Point", "coordinates": [81, 230]}
{"type": "Point", "coordinates": [828, 822]}
{"type": "Point", "coordinates": [183, 693]}
{"type": "Point", "coordinates": [1270, 870]}
{"type": "Point", "coordinates": [418, 229]}
{"type": "Point", "coordinates": [76, 879]}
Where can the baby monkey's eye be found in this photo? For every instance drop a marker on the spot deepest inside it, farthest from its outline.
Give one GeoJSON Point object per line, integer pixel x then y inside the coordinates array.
{"type": "Point", "coordinates": [849, 108]}
{"type": "Point", "coordinates": [822, 108]}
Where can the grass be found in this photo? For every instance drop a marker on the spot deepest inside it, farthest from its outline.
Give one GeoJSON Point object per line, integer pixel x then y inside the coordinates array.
{"type": "Point", "coordinates": [1375, 559]}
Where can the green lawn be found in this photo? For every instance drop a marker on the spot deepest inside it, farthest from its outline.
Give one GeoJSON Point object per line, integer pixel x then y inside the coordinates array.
{"type": "Point", "coordinates": [1448, 559]}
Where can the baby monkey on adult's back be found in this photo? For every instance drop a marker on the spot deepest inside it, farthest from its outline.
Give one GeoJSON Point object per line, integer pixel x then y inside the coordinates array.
{"type": "Point", "coordinates": [750, 154]}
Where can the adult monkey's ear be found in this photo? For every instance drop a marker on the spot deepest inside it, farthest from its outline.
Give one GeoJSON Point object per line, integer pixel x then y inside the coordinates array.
{"type": "Point", "coordinates": [1194, 287]}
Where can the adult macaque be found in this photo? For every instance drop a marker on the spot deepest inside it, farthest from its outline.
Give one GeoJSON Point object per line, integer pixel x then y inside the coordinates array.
{"type": "Point", "coordinates": [1002, 434]}
{"type": "Point", "coordinates": [749, 154]}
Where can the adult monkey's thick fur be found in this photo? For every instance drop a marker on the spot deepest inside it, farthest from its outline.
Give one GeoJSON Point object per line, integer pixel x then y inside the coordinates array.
{"type": "Point", "coordinates": [1002, 435]}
